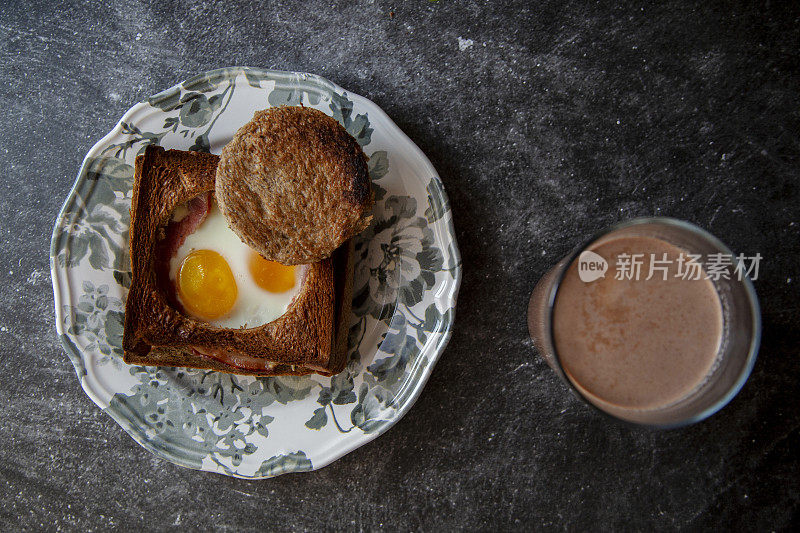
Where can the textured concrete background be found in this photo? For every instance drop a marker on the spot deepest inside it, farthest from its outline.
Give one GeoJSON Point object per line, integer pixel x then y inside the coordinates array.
{"type": "Point", "coordinates": [546, 122]}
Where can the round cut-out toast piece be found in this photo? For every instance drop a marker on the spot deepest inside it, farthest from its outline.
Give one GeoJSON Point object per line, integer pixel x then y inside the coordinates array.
{"type": "Point", "coordinates": [294, 185]}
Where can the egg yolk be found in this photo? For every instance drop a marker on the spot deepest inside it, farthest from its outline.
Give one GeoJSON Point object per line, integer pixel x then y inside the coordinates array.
{"type": "Point", "coordinates": [206, 284]}
{"type": "Point", "coordinates": [271, 276]}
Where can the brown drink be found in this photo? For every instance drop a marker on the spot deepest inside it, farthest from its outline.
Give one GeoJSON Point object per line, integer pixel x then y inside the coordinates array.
{"type": "Point", "coordinates": [657, 344]}
{"type": "Point", "coordinates": [637, 343]}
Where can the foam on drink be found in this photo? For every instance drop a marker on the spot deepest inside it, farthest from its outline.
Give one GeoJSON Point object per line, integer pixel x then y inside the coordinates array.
{"type": "Point", "coordinates": [637, 344]}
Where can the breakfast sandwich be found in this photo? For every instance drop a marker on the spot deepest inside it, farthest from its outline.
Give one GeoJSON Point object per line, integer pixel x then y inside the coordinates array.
{"type": "Point", "coordinates": [201, 296]}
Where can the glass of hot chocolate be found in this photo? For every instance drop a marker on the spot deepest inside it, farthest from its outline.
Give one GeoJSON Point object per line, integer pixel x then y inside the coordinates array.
{"type": "Point", "coordinates": [653, 321]}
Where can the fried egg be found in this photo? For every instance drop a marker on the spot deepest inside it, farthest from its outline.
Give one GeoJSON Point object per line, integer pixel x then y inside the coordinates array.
{"type": "Point", "coordinates": [222, 281]}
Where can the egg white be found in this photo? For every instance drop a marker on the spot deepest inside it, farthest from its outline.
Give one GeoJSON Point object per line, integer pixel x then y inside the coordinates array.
{"type": "Point", "coordinates": [254, 306]}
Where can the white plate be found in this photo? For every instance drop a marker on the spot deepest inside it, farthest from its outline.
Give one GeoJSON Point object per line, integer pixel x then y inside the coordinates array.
{"type": "Point", "coordinates": [407, 276]}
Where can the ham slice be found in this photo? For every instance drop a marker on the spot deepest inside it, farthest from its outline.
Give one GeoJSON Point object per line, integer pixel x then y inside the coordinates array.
{"type": "Point", "coordinates": [177, 231]}
{"type": "Point", "coordinates": [174, 236]}
{"type": "Point", "coordinates": [237, 360]}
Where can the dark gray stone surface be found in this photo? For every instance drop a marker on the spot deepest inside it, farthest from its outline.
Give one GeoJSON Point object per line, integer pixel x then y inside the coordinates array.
{"type": "Point", "coordinates": [546, 121]}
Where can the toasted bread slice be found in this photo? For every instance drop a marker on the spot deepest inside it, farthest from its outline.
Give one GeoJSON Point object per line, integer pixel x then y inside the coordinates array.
{"type": "Point", "coordinates": [304, 179]}
{"type": "Point", "coordinates": [307, 338]}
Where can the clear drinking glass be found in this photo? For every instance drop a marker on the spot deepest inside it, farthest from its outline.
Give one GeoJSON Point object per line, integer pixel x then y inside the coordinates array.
{"type": "Point", "coordinates": [740, 338]}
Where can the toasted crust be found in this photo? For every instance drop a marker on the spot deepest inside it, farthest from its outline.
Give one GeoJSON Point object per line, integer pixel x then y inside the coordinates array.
{"type": "Point", "coordinates": [303, 340]}
{"type": "Point", "coordinates": [303, 179]}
